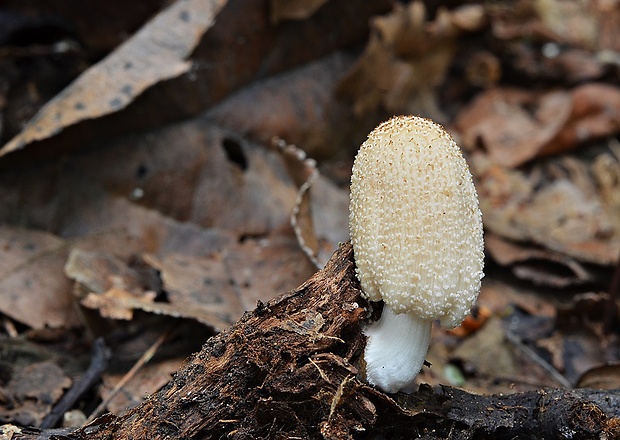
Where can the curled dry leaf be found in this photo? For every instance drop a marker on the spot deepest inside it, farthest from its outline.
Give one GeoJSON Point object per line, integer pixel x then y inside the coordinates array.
{"type": "Point", "coordinates": [516, 126]}
{"type": "Point", "coordinates": [406, 58]}
{"type": "Point", "coordinates": [540, 266]}
{"type": "Point", "coordinates": [320, 216]}
{"type": "Point", "coordinates": [564, 212]}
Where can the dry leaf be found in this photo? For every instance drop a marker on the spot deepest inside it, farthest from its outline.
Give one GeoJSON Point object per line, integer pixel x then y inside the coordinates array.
{"type": "Point", "coordinates": [516, 126]}
{"type": "Point", "coordinates": [99, 271]}
{"type": "Point", "coordinates": [32, 391]}
{"type": "Point", "coordinates": [264, 268]}
{"type": "Point", "coordinates": [162, 70]}
{"type": "Point", "coordinates": [299, 107]}
{"type": "Point", "coordinates": [565, 213]}
{"type": "Point", "coordinates": [537, 265]}
{"type": "Point", "coordinates": [407, 57]}
{"type": "Point", "coordinates": [199, 288]}
{"type": "Point", "coordinates": [156, 53]}
{"type": "Point", "coordinates": [119, 304]}
{"type": "Point", "coordinates": [320, 216]}
{"type": "Point", "coordinates": [589, 24]}
{"type": "Point", "coordinates": [511, 124]}
{"type": "Point", "coordinates": [496, 359]}
{"type": "Point", "coordinates": [33, 288]}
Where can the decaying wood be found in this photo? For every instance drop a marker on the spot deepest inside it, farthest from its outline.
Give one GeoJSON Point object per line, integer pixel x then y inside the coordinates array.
{"type": "Point", "coordinates": [289, 369]}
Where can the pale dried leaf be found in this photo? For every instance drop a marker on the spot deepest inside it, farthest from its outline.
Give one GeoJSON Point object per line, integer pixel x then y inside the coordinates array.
{"type": "Point", "coordinates": [156, 53]}
{"type": "Point", "coordinates": [33, 288]}
{"type": "Point", "coordinates": [119, 304]}
{"type": "Point", "coordinates": [199, 288]}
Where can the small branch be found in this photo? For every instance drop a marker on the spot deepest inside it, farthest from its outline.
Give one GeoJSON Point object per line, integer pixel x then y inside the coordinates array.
{"type": "Point", "coordinates": [145, 358]}
{"type": "Point", "coordinates": [98, 364]}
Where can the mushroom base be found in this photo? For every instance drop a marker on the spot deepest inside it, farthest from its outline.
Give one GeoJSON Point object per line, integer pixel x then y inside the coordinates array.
{"type": "Point", "coordinates": [395, 350]}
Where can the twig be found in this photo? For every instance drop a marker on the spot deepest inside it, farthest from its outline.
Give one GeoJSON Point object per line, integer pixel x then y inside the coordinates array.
{"type": "Point", "coordinates": [147, 356]}
{"type": "Point", "coordinates": [555, 374]}
{"type": "Point", "coordinates": [98, 364]}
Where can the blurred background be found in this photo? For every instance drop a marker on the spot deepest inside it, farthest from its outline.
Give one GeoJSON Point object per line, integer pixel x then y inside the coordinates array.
{"type": "Point", "coordinates": [164, 165]}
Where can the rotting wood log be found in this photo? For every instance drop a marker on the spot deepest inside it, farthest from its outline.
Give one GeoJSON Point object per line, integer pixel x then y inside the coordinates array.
{"type": "Point", "coordinates": [288, 369]}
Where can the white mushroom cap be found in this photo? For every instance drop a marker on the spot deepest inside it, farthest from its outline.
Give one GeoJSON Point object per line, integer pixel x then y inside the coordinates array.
{"type": "Point", "coordinates": [416, 227]}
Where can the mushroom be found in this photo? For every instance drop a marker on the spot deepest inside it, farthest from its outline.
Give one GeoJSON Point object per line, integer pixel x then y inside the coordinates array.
{"type": "Point", "coordinates": [417, 237]}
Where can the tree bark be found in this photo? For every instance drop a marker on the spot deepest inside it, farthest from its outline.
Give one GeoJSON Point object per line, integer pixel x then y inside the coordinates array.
{"type": "Point", "coordinates": [290, 369]}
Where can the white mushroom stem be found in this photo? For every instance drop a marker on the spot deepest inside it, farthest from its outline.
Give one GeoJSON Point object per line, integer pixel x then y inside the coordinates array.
{"type": "Point", "coordinates": [395, 350]}
{"type": "Point", "coordinates": [417, 236]}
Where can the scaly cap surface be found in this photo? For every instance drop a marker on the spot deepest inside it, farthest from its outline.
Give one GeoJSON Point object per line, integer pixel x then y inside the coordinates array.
{"type": "Point", "coordinates": [416, 227]}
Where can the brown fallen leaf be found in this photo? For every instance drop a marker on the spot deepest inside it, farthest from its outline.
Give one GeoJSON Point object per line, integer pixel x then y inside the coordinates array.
{"type": "Point", "coordinates": [33, 288]}
{"type": "Point", "coordinates": [496, 360]}
{"type": "Point", "coordinates": [589, 24]}
{"type": "Point", "coordinates": [154, 54]}
{"type": "Point", "coordinates": [197, 287]}
{"type": "Point", "coordinates": [540, 266]}
{"type": "Point", "coordinates": [261, 267]}
{"type": "Point", "coordinates": [162, 69]}
{"type": "Point", "coordinates": [406, 58]}
{"type": "Point", "coordinates": [119, 304]}
{"type": "Point", "coordinates": [592, 25]}
{"type": "Point", "coordinates": [516, 126]}
{"type": "Point", "coordinates": [99, 271]}
{"type": "Point", "coordinates": [299, 107]}
{"type": "Point", "coordinates": [32, 391]}
{"type": "Point", "coordinates": [212, 177]}
{"type": "Point", "coordinates": [556, 204]}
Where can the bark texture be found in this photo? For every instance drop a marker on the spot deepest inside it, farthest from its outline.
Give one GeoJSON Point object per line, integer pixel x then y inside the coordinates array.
{"type": "Point", "coordinates": [288, 369]}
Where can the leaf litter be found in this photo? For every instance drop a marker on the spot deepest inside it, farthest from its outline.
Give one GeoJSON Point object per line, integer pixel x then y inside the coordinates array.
{"type": "Point", "coordinates": [197, 214]}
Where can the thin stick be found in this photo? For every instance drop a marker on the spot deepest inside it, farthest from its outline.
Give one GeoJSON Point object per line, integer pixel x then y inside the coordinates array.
{"type": "Point", "coordinates": [555, 374]}
{"type": "Point", "coordinates": [98, 364]}
{"type": "Point", "coordinates": [147, 356]}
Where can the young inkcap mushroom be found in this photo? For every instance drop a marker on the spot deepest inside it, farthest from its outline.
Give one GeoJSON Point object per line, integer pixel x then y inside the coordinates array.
{"type": "Point", "coordinates": [417, 237]}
